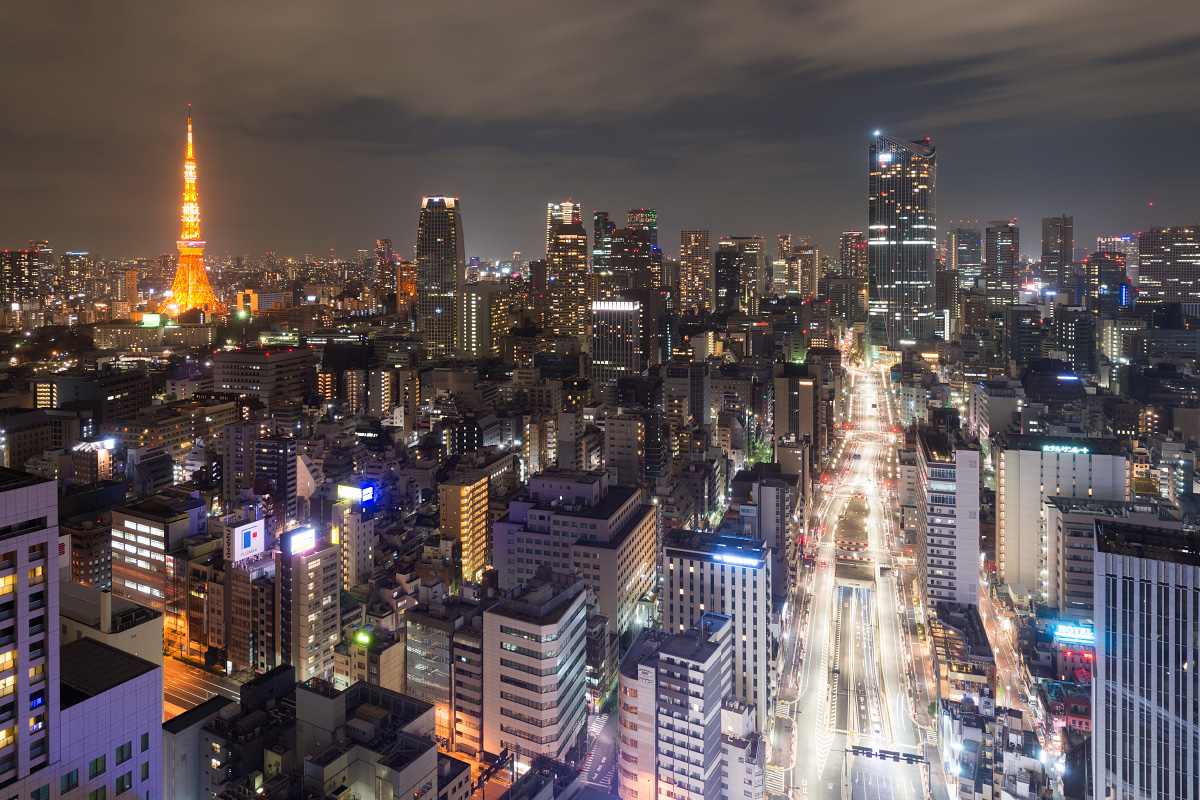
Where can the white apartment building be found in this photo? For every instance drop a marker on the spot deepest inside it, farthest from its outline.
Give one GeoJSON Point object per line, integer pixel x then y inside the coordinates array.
{"type": "Point", "coordinates": [730, 576]}
{"type": "Point", "coordinates": [947, 543]}
{"type": "Point", "coordinates": [310, 586]}
{"type": "Point", "coordinates": [672, 690]}
{"type": "Point", "coordinates": [681, 731]}
{"type": "Point", "coordinates": [1146, 690]}
{"type": "Point", "coordinates": [353, 531]}
{"type": "Point", "coordinates": [1031, 470]}
{"type": "Point", "coordinates": [1071, 530]}
{"type": "Point", "coordinates": [82, 717]}
{"type": "Point", "coordinates": [625, 448]}
{"type": "Point", "coordinates": [576, 520]}
{"type": "Point", "coordinates": [534, 658]}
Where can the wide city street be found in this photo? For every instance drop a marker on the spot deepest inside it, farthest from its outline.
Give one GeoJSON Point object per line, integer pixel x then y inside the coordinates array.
{"type": "Point", "coordinates": [846, 686]}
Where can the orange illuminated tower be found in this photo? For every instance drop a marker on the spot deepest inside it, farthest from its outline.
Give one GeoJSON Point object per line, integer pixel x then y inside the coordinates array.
{"type": "Point", "coordinates": [191, 288]}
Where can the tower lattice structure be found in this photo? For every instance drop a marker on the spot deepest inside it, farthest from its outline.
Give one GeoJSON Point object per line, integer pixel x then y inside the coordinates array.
{"type": "Point", "coordinates": [191, 288]}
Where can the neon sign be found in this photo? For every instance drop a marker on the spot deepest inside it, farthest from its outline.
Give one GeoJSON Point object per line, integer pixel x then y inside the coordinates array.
{"type": "Point", "coordinates": [1064, 448]}
{"type": "Point", "coordinates": [1074, 634]}
{"type": "Point", "coordinates": [738, 560]}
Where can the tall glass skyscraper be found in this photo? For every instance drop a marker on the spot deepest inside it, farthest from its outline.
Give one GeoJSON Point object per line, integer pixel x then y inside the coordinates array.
{"type": "Point", "coordinates": [1001, 252]}
{"type": "Point", "coordinates": [441, 272]}
{"type": "Point", "coordinates": [602, 231]}
{"type": "Point", "coordinates": [902, 239]}
{"type": "Point", "coordinates": [964, 253]}
{"type": "Point", "coordinates": [1058, 250]}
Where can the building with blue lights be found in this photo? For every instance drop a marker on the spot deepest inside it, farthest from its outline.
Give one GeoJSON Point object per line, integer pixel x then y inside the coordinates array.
{"type": "Point", "coordinates": [731, 576]}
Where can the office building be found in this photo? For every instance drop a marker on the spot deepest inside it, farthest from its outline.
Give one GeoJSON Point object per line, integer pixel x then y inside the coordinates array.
{"type": "Point", "coordinates": [129, 288]}
{"type": "Point", "coordinates": [948, 473]}
{"type": "Point", "coordinates": [1168, 265]}
{"type": "Point", "coordinates": [902, 239]}
{"type": "Point", "coordinates": [572, 519]}
{"type": "Point", "coordinates": [463, 515]}
{"type": "Point", "coordinates": [1126, 245]}
{"type": "Point", "coordinates": [19, 276]}
{"type": "Point", "coordinates": [558, 214]}
{"type": "Point", "coordinates": [695, 271]}
{"type": "Point", "coordinates": [108, 395]}
{"type": "Point", "coordinates": [275, 467]}
{"type": "Point", "coordinates": [429, 643]}
{"type": "Point", "coordinates": [1031, 470]}
{"type": "Point", "coordinates": [268, 374]}
{"type": "Point", "coordinates": [567, 281]}
{"type": "Point", "coordinates": [729, 576]}
{"type": "Point", "coordinates": [1002, 250]}
{"type": "Point", "coordinates": [146, 535]}
{"type": "Point", "coordinates": [964, 253]}
{"type": "Point", "coordinates": [1145, 724]}
{"type": "Point", "coordinates": [385, 259]}
{"type": "Point", "coordinates": [1075, 337]}
{"type": "Point", "coordinates": [534, 658]}
{"type": "Point", "coordinates": [1106, 277]}
{"type": "Point", "coordinates": [372, 655]}
{"type": "Point", "coordinates": [635, 262]}
{"type": "Point", "coordinates": [310, 590]}
{"type": "Point", "coordinates": [81, 714]}
{"type": "Point", "coordinates": [616, 344]}
{"type": "Point", "coordinates": [441, 273]}
{"type": "Point", "coordinates": [673, 693]}
{"type": "Point", "coordinates": [1058, 251]}
{"type": "Point", "coordinates": [1071, 536]}
{"type": "Point", "coordinates": [644, 219]}
{"type": "Point", "coordinates": [353, 531]}
{"type": "Point", "coordinates": [602, 231]}
{"type": "Point", "coordinates": [852, 255]}
{"type": "Point", "coordinates": [726, 277]}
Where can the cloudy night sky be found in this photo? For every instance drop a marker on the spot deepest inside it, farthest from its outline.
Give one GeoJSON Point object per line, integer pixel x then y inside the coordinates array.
{"type": "Point", "coordinates": [319, 125]}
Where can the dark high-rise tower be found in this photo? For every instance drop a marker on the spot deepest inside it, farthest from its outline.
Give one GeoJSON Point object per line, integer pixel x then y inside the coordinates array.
{"type": "Point", "coordinates": [602, 231]}
{"type": "Point", "coordinates": [726, 276]}
{"type": "Point", "coordinates": [644, 219]}
{"type": "Point", "coordinates": [441, 271]}
{"type": "Point", "coordinates": [1058, 250]}
{"type": "Point", "coordinates": [1002, 249]}
{"type": "Point", "coordinates": [964, 253]}
{"type": "Point", "coordinates": [852, 254]}
{"type": "Point", "coordinates": [902, 239]}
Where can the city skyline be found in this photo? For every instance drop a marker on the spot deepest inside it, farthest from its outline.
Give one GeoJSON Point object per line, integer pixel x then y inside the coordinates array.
{"type": "Point", "coordinates": [296, 165]}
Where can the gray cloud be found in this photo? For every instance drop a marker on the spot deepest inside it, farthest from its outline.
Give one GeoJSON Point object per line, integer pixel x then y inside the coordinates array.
{"type": "Point", "coordinates": [339, 114]}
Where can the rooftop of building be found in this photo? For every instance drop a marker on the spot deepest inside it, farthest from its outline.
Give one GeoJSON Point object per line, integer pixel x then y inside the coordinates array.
{"type": "Point", "coordinates": [605, 508]}
{"type": "Point", "coordinates": [1057, 444]}
{"type": "Point", "coordinates": [543, 599]}
{"type": "Point", "coordinates": [1144, 541]}
{"type": "Point", "coordinates": [938, 446]}
{"type": "Point", "coordinates": [82, 604]}
{"type": "Point", "coordinates": [696, 643]}
{"type": "Point", "coordinates": [196, 714]}
{"type": "Point", "coordinates": [644, 646]}
{"type": "Point", "coordinates": [88, 668]}
{"type": "Point", "coordinates": [162, 507]}
{"type": "Point", "coordinates": [715, 544]}
{"type": "Point", "coordinates": [958, 634]}
{"type": "Point", "coordinates": [15, 479]}
{"type": "Point", "coordinates": [1116, 509]}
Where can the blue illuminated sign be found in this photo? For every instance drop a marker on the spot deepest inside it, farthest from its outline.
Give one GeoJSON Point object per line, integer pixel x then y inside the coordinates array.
{"type": "Point", "coordinates": [1074, 634]}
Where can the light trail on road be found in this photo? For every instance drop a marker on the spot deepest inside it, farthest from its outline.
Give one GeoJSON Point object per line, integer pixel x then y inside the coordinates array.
{"type": "Point", "coordinates": [850, 679]}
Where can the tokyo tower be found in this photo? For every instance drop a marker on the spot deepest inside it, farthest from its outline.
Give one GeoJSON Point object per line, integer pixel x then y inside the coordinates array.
{"type": "Point", "coordinates": [191, 288]}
